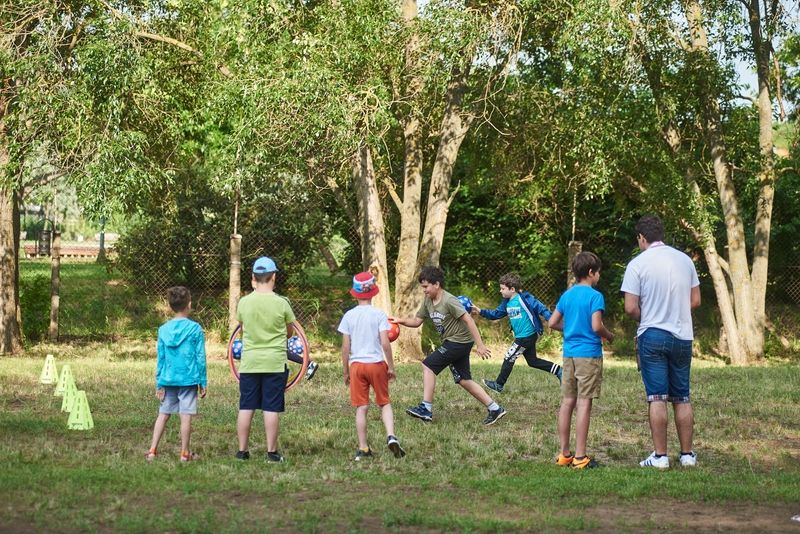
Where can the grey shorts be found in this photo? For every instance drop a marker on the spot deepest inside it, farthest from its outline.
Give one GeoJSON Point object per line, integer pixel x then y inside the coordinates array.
{"type": "Point", "coordinates": [179, 399]}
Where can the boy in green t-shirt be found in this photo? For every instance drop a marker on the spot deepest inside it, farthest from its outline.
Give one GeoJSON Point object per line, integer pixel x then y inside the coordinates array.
{"type": "Point", "coordinates": [266, 319]}
{"type": "Point", "coordinates": [458, 333]}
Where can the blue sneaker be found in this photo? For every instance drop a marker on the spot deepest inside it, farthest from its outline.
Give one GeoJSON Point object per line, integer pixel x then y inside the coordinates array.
{"type": "Point", "coordinates": [420, 412]}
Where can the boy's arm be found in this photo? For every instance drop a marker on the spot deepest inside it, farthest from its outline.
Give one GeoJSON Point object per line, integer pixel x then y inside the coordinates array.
{"type": "Point", "coordinates": [497, 313]}
{"type": "Point", "coordinates": [200, 352]}
{"type": "Point", "coordinates": [600, 328]}
{"type": "Point", "coordinates": [483, 350]}
{"type": "Point", "coordinates": [159, 361]}
{"type": "Point", "coordinates": [411, 322]}
{"type": "Point", "coordinates": [556, 321]}
{"type": "Point", "coordinates": [346, 358]}
{"type": "Point", "coordinates": [541, 309]}
{"type": "Point", "coordinates": [387, 353]}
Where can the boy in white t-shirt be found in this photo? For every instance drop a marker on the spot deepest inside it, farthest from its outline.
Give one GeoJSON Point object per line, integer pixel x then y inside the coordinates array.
{"type": "Point", "coordinates": [367, 361]}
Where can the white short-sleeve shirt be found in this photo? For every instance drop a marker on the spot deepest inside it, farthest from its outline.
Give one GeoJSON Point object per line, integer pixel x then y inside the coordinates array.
{"type": "Point", "coordinates": [663, 279]}
{"type": "Point", "coordinates": [364, 325]}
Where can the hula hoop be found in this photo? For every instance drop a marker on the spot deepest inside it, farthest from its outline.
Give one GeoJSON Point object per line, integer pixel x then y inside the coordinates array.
{"type": "Point", "coordinates": [292, 380]}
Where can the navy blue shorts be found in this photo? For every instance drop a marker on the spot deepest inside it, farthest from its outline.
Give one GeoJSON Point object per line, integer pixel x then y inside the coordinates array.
{"type": "Point", "coordinates": [262, 391]}
{"type": "Point", "coordinates": [666, 362]}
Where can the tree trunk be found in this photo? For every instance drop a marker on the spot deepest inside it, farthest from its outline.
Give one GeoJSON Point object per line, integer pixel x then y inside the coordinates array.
{"type": "Point", "coordinates": [406, 292]}
{"type": "Point", "coordinates": [234, 280]}
{"type": "Point", "coordinates": [371, 228]}
{"type": "Point", "coordinates": [739, 270]}
{"type": "Point", "coordinates": [55, 286]}
{"type": "Point", "coordinates": [455, 125]}
{"type": "Point", "coordinates": [763, 222]}
{"type": "Point", "coordinates": [10, 332]}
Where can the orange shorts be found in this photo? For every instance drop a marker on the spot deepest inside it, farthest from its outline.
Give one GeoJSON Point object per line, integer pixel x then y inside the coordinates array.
{"type": "Point", "coordinates": [364, 375]}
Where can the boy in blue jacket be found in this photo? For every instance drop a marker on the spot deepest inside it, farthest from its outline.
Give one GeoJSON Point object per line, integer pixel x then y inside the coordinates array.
{"type": "Point", "coordinates": [523, 311]}
{"type": "Point", "coordinates": [180, 371]}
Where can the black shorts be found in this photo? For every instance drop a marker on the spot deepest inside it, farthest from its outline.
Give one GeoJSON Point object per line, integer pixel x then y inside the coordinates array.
{"type": "Point", "coordinates": [450, 354]}
{"type": "Point", "coordinates": [262, 391]}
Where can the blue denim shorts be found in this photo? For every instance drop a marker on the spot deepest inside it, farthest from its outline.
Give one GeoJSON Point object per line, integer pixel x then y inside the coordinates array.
{"type": "Point", "coordinates": [264, 391]}
{"type": "Point", "coordinates": [666, 362]}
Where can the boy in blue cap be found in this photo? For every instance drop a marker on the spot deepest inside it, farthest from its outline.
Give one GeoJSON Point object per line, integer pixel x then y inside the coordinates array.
{"type": "Point", "coordinates": [523, 311]}
{"type": "Point", "coordinates": [180, 371]}
{"type": "Point", "coordinates": [266, 319]}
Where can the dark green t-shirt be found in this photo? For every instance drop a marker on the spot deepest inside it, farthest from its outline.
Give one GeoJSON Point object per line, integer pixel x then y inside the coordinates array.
{"type": "Point", "coordinates": [446, 317]}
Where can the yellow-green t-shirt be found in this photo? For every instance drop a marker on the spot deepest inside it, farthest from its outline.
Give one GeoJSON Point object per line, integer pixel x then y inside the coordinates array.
{"type": "Point", "coordinates": [264, 317]}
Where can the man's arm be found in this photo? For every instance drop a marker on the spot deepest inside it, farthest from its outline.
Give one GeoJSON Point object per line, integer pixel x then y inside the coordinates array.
{"type": "Point", "coordinates": [346, 358]}
{"type": "Point", "coordinates": [632, 306]}
{"type": "Point", "coordinates": [483, 350]}
{"type": "Point", "coordinates": [695, 297]}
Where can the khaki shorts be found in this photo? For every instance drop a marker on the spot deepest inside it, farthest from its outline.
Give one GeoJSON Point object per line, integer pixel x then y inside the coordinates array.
{"type": "Point", "coordinates": [582, 378]}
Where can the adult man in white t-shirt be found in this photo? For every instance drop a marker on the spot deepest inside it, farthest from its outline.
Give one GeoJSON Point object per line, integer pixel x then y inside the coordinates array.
{"type": "Point", "coordinates": [661, 288]}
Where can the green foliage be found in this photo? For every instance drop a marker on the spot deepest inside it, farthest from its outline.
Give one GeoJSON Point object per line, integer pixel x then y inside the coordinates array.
{"type": "Point", "coordinates": [34, 301]}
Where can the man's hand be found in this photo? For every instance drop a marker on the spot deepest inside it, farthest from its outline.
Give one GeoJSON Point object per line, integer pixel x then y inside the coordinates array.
{"type": "Point", "coordinates": [484, 352]}
{"type": "Point", "coordinates": [160, 394]}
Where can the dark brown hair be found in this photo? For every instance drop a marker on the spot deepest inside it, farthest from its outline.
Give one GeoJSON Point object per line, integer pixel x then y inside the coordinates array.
{"type": "Point", "coordinates": [511, 280]}
{"type": "Point", "coordinates": [179, 298]}
{"type": "Point", "coordinates": [432, 275]}
{"type": "Point", "coordinates": [585, 262]}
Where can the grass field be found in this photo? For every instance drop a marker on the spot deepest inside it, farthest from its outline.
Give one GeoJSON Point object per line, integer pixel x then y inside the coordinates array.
{"type": "Point", "coordinates": [457, 476]}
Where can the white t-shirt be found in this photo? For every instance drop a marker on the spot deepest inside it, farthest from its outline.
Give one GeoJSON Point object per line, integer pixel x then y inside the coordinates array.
{"type": "Point", "coordinates": [364, 324]}
{"type": "Point", "coordinates": [663, 279]}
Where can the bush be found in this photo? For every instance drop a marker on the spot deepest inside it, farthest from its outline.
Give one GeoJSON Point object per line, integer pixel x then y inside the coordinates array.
{"type": "Point", "coordinates": [34, 297]}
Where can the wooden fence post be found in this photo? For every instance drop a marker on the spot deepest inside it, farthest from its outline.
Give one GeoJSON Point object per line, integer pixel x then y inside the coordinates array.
{"type": "Point", "coordinates": [55, 285]}
{"type": "Point", "coordinates": [573, 249]}
{"type": "Point", "coordinates": [234, 280]}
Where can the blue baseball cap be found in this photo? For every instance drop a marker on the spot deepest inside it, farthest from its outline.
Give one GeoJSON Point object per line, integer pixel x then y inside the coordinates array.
{"type": "Point", "coordinates": [264, 265]}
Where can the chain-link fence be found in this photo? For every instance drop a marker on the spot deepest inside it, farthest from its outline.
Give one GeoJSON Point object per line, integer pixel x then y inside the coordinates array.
{"type": "Point", "coordinates": [317, 286]}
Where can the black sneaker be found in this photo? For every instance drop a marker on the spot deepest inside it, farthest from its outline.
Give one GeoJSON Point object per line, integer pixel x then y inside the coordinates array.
{"type": "Point", "coordinates": [394, 446]}
{"type": "Point", "coordinates": [494, 416]}
{"type": "Point", "coordinates": [274, 457]}
{"type": "Point", "coordinates": [420, 412]}
{"type": "Point", "coordinates": [360, 455]}
{"type": "Point", "coordinates": [243, 455]}
{"type": "Point", "coordinates": [494, 386]}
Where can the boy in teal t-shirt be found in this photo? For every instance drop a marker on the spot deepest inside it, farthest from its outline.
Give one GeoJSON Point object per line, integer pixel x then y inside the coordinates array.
{"type": "Point", "coordinates": [579, 314]}
{"type": "Point", "coordinates": [266, 319]}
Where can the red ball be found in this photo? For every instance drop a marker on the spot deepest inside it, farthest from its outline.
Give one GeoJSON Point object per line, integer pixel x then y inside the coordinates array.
{"type": "Point", "coordinates": [394, 331]}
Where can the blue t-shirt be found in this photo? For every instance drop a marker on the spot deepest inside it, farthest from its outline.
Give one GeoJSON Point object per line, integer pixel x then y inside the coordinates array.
{"type": "Point", "coordinates": [520, 321]}
{"type": "Point", "coordinates": [577, 305]}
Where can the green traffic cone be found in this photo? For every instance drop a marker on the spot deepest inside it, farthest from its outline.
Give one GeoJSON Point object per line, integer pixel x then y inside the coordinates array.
{"type": "Point", "coordinates": [49, 374]}
{"type": "Point", "coordinates": [66, 375]}
{"type": "Point", "coordinates": [70, 392]}
{"type": "Point", "coordinates": [80, 418]}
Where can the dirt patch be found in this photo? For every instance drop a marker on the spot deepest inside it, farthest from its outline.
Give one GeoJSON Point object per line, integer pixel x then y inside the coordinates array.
{"type": "Point", "coordinates": [675, 516]}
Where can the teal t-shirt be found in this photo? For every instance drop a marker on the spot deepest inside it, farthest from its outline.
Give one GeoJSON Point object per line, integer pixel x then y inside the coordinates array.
{"type": "Point", "coordinates": [520, 320]}
{"type": "Point", "coordinates": [264, 317]}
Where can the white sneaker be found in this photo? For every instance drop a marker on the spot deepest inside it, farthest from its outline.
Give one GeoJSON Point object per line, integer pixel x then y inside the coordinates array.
{"type": "Point", "coordinates": [689, 460]}
{"type": "Point", "coordinates": [653, 461]}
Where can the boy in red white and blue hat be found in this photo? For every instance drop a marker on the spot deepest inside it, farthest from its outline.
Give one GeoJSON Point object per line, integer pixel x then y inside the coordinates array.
{"type": "Point", "coordinates": [367, 362]}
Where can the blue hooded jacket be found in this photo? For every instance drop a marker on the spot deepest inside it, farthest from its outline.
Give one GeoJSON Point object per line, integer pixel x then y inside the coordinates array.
{"type": "Point", "coordinates": [181, 354]}
{"type": "Point", "coordinates": [530, 304]}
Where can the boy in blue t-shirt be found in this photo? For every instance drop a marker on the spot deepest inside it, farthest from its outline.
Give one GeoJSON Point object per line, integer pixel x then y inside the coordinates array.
{"type": "Point", "coordinates": [579, 314]}
{"type": "Point", "coordinates": [523, 311]}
